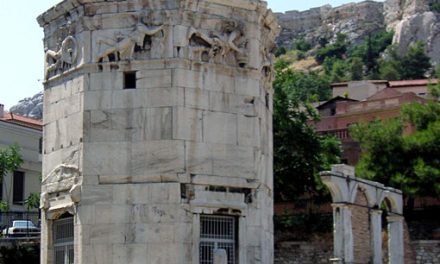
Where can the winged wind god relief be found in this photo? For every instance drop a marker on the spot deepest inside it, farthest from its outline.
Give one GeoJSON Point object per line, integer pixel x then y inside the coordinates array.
{"type": "Point", "coordinates": [225, 46]}
{"type": "Point", "coordinates": [141, 40]}
{"type": "Point", "coordinates": [57, 62]}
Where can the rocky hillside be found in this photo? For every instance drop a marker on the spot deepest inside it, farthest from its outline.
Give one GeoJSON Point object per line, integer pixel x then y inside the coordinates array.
{"type": "Point", "coordinates": [354, 20]}
{"type": "Point", "coordinates": [411, 20]}
{"type": "Point", "coordinates": [414, 20]}
{"type": "Point", "coordinates": [30, 107]}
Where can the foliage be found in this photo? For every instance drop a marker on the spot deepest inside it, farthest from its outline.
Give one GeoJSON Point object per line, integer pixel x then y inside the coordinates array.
{"type": "Point", "coordinates": [408, 161]}
{"type": "Point", "coordinates": [298, 150]}
{"type": "Point", "coordinates": [10, 160]}
{"type": "Point", "coordinates": [413, 65]}
{"type": "Point", "coordinates": [339, 72]}
{"type": "Point", "coordinates": [435, 7]}
{"type": "Point", "coordinates": [20, 254]}
{"type": "Point", "coordinates": [341, 63]}
{"type": "Point", "coordinates": [33, 201]}
{"type": "Point", "coordinates": [280, 51]}
{"type": "Point", "coordinates": [302, 45]}
{"type": "Point", "coordinates": [308, 223]}
{"type": "Point", "coordinates": [356, 69]}
{"type": "Point", "coordinates": [336, 50]}
{"type": "Point", "coordinates": [369, 51]}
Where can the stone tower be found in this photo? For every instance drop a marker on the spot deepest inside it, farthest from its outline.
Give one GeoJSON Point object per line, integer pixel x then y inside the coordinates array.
{"type": "Point", "coordinates": [158, 132]}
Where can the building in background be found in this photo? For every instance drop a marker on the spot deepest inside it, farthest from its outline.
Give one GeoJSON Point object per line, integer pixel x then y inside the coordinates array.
{"type": "Point", "coordinates": [365, 101]}
{"type": "Point", "coordinates": [16, 187]}
{"type": "Point", "coordinates": [361, 90]}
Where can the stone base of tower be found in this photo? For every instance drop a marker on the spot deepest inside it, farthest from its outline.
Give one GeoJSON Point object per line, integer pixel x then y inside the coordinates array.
{"type": "Point", "coordinates": [156, 223]}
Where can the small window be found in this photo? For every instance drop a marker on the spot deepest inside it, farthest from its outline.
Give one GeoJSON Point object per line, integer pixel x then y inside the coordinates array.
{"type": "Point", "coordinates": [18, 185]}
{"type": "Point", "coordinates": [63, 237]}
{"type": "Point", "coordinates": [129, 80]}
{"type": "Point", "coordinates": [218, 232]}
{"type": "Point", "coordinates": [40, 145]}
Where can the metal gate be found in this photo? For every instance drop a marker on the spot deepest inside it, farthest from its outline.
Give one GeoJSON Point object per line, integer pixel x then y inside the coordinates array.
{"type": "Point", "coordinates": [63, 240]}
{"type": "Point", "coordinates": [217, 232]}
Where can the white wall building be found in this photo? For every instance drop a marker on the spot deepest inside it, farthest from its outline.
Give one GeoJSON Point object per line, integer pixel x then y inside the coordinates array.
{"type": "Point", "coordinates": [17, 186]}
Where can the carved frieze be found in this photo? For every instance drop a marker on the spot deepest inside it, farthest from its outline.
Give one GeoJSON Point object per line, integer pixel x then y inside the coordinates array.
{"type": "Point", "coordinates": [62, 59]}
{"type": "Point", "coordinates": [142, 38]}
{"type": "Point", "coordinates": [228, 45]}
{"type": "Point", "coordinates": [62, 178]}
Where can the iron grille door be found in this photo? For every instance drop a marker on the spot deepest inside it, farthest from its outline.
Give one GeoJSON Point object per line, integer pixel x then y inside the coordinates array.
{"type": "Point", "coordinates": [63, 240]}
{"type": "Point", "coordinates": [217, 232]}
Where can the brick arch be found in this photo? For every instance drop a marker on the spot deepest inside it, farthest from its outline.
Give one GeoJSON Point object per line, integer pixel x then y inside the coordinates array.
{"type": "Point", "coordinates": [393, 200]}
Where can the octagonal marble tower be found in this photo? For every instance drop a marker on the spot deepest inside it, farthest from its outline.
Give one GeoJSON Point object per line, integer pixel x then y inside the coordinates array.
{"type": "Point", "coordinates": [158, 132]}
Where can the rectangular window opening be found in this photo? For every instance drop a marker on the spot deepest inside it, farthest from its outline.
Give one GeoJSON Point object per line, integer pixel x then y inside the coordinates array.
{"type": "Point", "coordinates": [130, 80]}
{"type": "Point", "coordinates": [63, 238]}
{"type": "Point", "coordinates": [18, 185]}
{"type": "Point", "coordinates": [218, 232]}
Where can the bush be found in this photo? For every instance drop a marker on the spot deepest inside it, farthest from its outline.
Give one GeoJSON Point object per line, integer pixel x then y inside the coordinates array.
{"type": "Point", "coordinates": [280, 51]}
{"type": "Point", "coordinates": [435, 7]}
{"type": "Point", "coordinates": [20, 254]}
{"type": "Point", "coordinates": [336, 50]}
{"type": "Point", "coordinates": [302, 45]}
{"type": "Point", "coordinates": [302, 225]}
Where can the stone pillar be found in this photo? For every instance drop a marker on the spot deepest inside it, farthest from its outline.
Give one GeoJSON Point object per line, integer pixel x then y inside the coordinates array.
{"type": "Point", "coordinates": [376, 235]}
{"type": "Point", "coordinates": [395, 240]}
{"type": "Point", "coordinates": [342, 233]}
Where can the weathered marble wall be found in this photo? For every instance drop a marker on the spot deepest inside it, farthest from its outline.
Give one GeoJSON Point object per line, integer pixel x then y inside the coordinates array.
{"type": "Point", "coordinates": [137, 167]}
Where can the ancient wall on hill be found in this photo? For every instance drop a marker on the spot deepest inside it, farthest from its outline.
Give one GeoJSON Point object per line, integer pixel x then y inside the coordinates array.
{"type": "Point", "coordinates": [354, 19]}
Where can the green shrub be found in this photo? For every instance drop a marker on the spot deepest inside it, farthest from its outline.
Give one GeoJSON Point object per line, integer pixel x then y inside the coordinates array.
{"type": "Point", "coordinates": [435, 7]}
{"type": "Point", "coordinates": [20, 254]}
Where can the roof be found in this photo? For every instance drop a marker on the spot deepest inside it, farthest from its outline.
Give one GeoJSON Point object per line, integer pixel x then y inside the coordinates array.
{"type": "Point", "coordinates": [384, 94]}
{"type": "Point", "coordinates": [22, 121]}
{"type": "Point", "coordinates": [342, 84]}
{"type": "Point", "coordinates": [335, 99]}
{"type": "Point", "coordinates": [424, 82]}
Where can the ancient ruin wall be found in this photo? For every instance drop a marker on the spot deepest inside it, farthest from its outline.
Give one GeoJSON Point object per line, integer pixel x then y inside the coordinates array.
{"type": "Point", "coordinates": [157, 114]}
{"type": "Point", "coordinates": [354, 19]}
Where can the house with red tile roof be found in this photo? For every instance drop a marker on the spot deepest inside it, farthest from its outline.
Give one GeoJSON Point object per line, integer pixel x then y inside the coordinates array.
{"type": "Point", "coordinates": [17, 186]}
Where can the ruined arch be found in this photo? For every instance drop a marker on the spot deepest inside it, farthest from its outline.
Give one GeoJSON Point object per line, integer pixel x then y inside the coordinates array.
{"type": "Point", "coordinates": [358, 217]}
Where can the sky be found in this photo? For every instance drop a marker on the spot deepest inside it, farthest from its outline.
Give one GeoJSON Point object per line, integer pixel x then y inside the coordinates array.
{"type": "Point", "coordinates": [21, 46]}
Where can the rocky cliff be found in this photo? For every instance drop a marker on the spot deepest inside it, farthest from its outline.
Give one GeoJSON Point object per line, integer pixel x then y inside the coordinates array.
{"type": "Point", "coordinates": [414, 20]}
{"type": "Point", "coordinates": [30, 107]}
{"type": "Point", "coordinates": [411, 20]}
{"type": "Point", "coordinates": [354, 20]}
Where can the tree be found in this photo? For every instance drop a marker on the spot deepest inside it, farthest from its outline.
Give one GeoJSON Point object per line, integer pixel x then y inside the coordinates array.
{"type": "Point", "coordinates": [413, 65]}
{"type": "Point", "coordinates": [371, 49]}
{"type": "Point", "coordinates": [357, 69]}
{"type": "Point", "coordinates": [434, 7]}
{"type": "Point", "coordinates": [336, 50]}
{"type": "Point", "coordinates": [410, 162]}
{"type": "Point", "coordinates": [10, 160]}
{"type": "Point", "coordinates": [302, 45]}
{"type": "Point", "coordinates": [299, 153]}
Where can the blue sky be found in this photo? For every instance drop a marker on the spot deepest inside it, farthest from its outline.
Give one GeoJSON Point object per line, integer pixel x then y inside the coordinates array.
{"type": "Point", "coordinates": [21, 45]}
